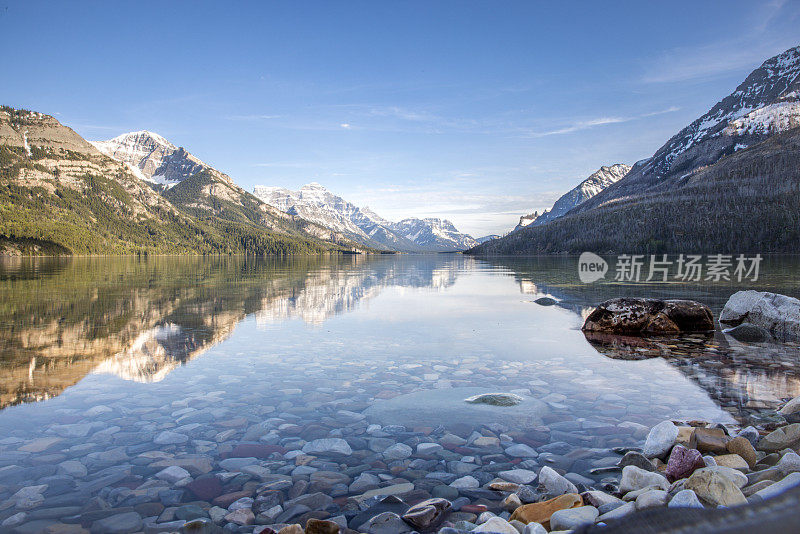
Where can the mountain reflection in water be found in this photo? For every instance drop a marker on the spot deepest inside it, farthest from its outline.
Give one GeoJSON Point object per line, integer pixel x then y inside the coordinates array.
{"type": "Point", "coordinates": [63, 318]}
{"type": "Point", "coordinates": [140, 318]}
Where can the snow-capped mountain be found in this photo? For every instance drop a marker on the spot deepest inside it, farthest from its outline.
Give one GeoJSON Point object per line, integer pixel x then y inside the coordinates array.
{"type": "Point", "coordinates": [434, 233]}
{"type": "Point", "coordinates": [489, 237]}
{"type": "Point", "coordinates": [766, 103]}
{"type": "Point", "coordinates": [315, 203]}
{"type": "Point", "coordinates": [594, 184]}
{"type": "Point", "coordinates": [151, 157]}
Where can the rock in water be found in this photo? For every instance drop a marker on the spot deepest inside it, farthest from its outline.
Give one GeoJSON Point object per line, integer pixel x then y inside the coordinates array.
{"type": "Point", "coordinates": [320, 526]}
{"type": "Point", "coordinates": [431, 407]}
{"type": "Point", "coordinates": [427, 513]}
{"type": "Point", "coordinates": [386, 523]}
{"type": "Point", "coordinates": [495, 399]}
{"type": "Point", "coordinates": [573, 517]}
{"type": "Point", "coordinates": [555, 484]}
{"type": "Point", "coordinates": [747, 332]}
{"type": "Point", "coordinates": [328, 446]}
{"type": "Point", "coordinates": [649, 316]}
{"type": "Point", "coordinates": [496, 525]}
{"type": "Point", "coordinates": [782, 438]}
{"type": "Point", "coordinates": [545, 301]}
{"type": "Point", "coordinates": [778, 314]}
{"type": "Point", "coordinates": [540, 512]}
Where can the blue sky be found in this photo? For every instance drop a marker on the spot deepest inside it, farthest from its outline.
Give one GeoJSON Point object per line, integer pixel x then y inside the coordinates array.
{"type": "Point", "coordinates": [473, 111]}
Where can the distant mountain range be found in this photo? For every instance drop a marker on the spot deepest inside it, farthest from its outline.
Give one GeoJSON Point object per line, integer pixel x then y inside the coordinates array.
{"type": "Point", "coordinates": [594, 184]}
{"type": "Point", "coordinates": [315, 203]}
{"type": "Point", "coordinates": [727, 182]}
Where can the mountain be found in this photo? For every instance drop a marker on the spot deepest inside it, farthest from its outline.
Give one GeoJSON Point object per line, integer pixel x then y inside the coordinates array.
{"type": "Point", "coordinates": [594, 184]}
{"type": "Point", "coordinates": [315, 203]}
{"type": "Point", "coordinates": [152, 158]}
{"type": "Point", "coordinates": [727, 182]}
{"type": "Point", "coordinates": [59, 194]}
{"type": "Point", "coordinates": [766, 103]}
{"type": "Point", "coordinates": [486, 238]}
{"type": "Point", "coordinates": [200, 189]}
{"type": "Point", "coordinates": [433, 234]}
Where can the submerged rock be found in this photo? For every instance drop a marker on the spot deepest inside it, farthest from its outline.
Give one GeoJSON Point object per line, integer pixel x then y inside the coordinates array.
{"type": "Point", "coordinates": [541, 512]}
{"type": "Point", "coordinates": [431, 407]}
{"type": "Point", "coordinates": [649, 316]}
{"type": "Point", "coordinates": [495, 399]}
{"type": "Point", "coordinates": [427, 513]}
{"type": "Point", "coordinates": [748, 333]}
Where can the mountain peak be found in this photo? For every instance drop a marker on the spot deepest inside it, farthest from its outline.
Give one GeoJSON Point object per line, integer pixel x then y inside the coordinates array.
{"type": "Point", "coordinates": [596, 182]}
{"type": "Point", "coordinates": [154, 157]}
{"type": "Point", "coordinates": [313, 186]}
{"type": "Point", "coordinates": [143, 133]}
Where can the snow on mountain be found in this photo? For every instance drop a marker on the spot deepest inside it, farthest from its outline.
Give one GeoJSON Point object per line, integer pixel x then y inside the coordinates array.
{"type": "Point", "coordinates": [591, 186]}
{"type": "Point", "coordinates": [434, 234]}
{"type": "Point", "coordinates": [771, 90]}
{"type": "Point", "coordinates": [315, 203]}
{"type": "Point", "coordinates": [765, 103]}
{"type": "Point", "coordinates": [525, 220]}
{"type": "Point", "coordinates": [151, 157]}
{"type": "Point", "coordinates": [489, 237]}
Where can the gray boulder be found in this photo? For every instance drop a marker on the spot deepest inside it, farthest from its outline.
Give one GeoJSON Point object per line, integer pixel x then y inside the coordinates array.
{"type": "Point", "coordinates": [778, 314]}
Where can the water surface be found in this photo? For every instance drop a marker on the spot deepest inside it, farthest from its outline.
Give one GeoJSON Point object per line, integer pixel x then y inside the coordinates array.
{"type": "Point", "coordinates": [99, 356]}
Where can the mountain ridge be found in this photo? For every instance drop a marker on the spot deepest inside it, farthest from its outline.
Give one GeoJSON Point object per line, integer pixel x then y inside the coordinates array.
{"type": "Point", "coordinates": [732, 168]}
{"type": "Point", "coordinates": [316, 203]}
{"type": "Point", "coordinates": [59, 194]}
{"type": "Point", "coordinates": [765, 103]}
{"type": "Point", "coordinates": [591, 186]}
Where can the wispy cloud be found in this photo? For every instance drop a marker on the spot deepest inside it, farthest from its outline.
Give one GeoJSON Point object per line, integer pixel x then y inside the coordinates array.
{"type": "Point", "coordinates": [600, 121]}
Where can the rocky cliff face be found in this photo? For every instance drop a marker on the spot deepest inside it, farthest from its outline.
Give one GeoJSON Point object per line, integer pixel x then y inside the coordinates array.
{"type": "Point", "coordinates": [594, 184]}
{"type": "Point", "coordinates": [156, 159]}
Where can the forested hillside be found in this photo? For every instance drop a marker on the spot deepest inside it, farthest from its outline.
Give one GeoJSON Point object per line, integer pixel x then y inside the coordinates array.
{"type": "Point", "coordinates": [746, 202]}
{"type": "Point", "coordinates": [60, 195]}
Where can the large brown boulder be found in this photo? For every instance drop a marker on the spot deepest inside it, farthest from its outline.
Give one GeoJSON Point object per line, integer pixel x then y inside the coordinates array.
{"type": "Point", "coordinates": [649, 316]}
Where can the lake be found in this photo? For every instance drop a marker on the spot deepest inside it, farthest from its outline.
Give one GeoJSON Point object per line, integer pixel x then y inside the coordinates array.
{"type": "Point", "coordinates": [327, 378]}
